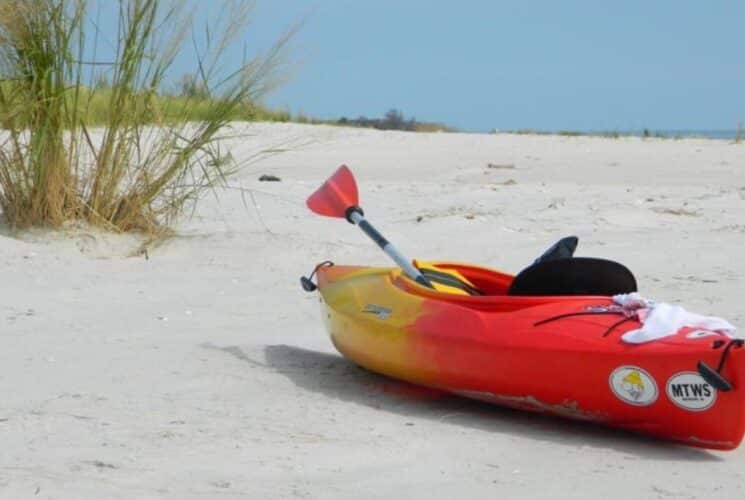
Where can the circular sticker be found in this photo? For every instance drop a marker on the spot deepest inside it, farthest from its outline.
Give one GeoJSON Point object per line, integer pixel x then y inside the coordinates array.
{"type": "Point", "coordinates": [633, 385]}
{"type": "Point", "coordinates": [690, 391]}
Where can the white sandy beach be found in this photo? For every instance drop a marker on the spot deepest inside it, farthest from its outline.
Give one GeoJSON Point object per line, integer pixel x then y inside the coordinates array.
{"type": "Point", "coordinates": [205, 372]}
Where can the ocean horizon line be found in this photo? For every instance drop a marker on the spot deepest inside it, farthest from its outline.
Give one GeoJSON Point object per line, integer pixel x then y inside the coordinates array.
{"type": "Point", "coordinates": [727, 134]}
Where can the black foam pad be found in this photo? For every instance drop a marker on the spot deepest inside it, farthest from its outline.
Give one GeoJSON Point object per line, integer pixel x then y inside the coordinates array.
{"type": "Point", "coordinates": [574, 276]}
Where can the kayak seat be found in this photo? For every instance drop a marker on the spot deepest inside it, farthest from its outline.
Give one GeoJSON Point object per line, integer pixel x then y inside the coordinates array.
{"type": "Point", "coordinates": [562, 249]}
{"type": "Point", "coordinates": [573, 276]}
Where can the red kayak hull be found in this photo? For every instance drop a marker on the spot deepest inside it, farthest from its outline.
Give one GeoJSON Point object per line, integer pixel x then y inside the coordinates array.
{"type": "Point", "coordinates": [526, 353]}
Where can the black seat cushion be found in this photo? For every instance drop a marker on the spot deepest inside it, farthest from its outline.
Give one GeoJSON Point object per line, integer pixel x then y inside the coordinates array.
{"type": "Point", "coordinates": [574, 276]}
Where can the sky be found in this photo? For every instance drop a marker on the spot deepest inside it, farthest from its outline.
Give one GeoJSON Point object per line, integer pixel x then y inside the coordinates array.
{"type": "Point", "coordinates": [480, 65]}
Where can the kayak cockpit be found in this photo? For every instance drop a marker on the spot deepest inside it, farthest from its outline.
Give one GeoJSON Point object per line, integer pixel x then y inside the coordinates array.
{"type": "Point", "coordinates": [545, 282]}
{"type": "Point", "coordinates": [555, 273]}
{"type": "Point", "coordinates": [573, 276]}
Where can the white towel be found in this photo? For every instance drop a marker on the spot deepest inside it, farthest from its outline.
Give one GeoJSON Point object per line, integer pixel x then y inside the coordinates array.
{"type": "Point", "coordinates": [663, 320]}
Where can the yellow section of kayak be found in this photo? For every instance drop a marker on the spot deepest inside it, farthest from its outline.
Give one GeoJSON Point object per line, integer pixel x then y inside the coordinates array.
{"type": "Point", "coordinates": [369, 320]}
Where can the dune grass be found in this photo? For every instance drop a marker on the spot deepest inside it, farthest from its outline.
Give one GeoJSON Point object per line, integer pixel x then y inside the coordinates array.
{"type": "Point", "coordinates": [153, 154]}
{"type": "Point", "coordinates": [168, 108]}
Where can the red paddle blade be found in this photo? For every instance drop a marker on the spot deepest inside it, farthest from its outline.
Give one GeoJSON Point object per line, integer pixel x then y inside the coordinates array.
{"type": "Point", "coordinates": [336, 195]}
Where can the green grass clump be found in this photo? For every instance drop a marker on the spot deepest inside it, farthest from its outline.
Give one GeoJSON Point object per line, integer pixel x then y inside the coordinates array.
{"type": "Point", "coordinates": [153, 153]}
{"type": "Point", "coordinates": [433, 127]}
{"type": "Point", "coordinates": [175, 109]}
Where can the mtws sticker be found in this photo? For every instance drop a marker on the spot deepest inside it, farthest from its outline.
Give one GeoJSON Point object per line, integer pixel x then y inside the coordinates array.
{"type": "Point", "coordinates": [690, 391]}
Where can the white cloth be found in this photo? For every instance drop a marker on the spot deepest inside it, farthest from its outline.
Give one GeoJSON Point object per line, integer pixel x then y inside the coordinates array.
{"type": "Point", "coordinates": [661, 320]}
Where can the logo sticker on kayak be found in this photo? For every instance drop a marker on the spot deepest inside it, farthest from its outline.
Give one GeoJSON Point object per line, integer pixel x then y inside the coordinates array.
{"type": "Point", "coordinates": [379, 311]}
{"type": "Point", "coordinates": [690, 391]}
{"type": "Point", "coordinates": [633, 385]}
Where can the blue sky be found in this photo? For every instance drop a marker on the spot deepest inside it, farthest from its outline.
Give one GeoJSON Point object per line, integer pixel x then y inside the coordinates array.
{"type": "Point", "coordinates": [480, 65]}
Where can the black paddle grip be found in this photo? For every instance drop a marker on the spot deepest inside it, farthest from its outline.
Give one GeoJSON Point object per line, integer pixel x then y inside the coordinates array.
{"type": "Point", "coordinates": [373, 233]}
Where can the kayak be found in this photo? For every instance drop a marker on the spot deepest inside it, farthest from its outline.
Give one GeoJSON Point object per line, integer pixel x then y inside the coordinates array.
{"type": "Point", "coordinates": [500, 349]}
{"type": "Point", "coordinates": [546, 340]}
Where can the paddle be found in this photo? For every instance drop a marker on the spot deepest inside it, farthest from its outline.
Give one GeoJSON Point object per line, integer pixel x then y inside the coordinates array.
{"type": "Point", "coordinates": [338, 197]}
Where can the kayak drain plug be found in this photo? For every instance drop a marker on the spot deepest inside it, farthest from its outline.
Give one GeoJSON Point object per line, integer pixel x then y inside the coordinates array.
{"type": "Point", "coordinates": [307, 282]}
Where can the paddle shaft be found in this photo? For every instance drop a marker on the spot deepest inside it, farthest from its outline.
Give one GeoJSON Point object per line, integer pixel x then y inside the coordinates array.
{"type": "Point", "coordinates": [355, 217]}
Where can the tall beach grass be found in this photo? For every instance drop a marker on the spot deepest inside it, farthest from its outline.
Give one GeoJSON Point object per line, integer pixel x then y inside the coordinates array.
{"type": "Point", "coordinates": [149, 157]}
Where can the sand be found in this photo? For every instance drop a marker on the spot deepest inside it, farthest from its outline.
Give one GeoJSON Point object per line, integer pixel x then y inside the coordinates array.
{"type": "Point", "coordinates": [203, 371]}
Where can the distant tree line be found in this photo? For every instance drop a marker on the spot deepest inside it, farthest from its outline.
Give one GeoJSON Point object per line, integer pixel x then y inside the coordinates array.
{"type": "Point", "coordinates": [392, 120]}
